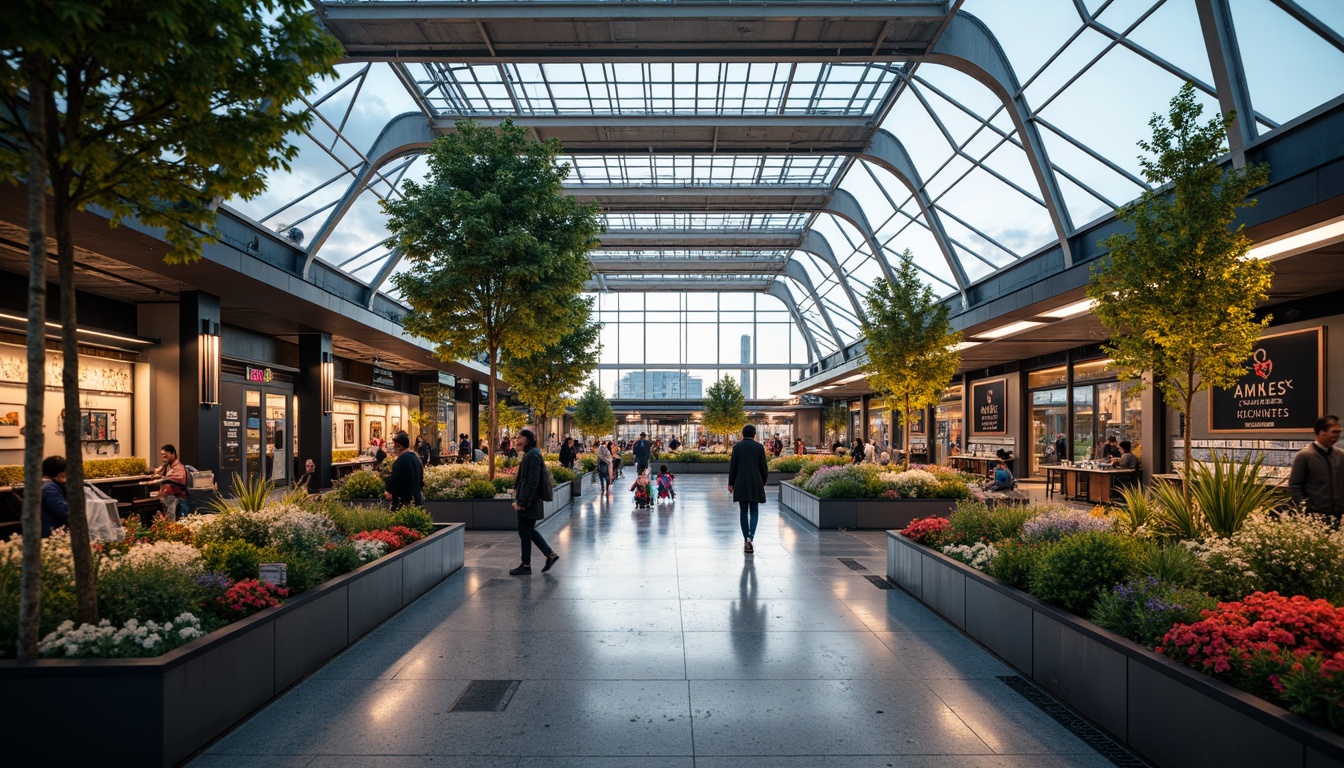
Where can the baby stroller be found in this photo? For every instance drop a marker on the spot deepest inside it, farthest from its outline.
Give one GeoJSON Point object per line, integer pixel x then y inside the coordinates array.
{"type": "Point", "coordinates": [643, 495]}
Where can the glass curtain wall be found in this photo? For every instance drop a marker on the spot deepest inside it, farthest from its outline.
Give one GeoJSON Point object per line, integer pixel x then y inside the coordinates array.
{"type": "Point", "coordinates": [1099, 405]}
{"type": "Point", "coordinates": [673, 346]}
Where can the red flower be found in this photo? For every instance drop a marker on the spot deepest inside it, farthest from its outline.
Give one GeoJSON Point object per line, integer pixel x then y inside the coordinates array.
{"type": "Point", "coordinates": [926, 530]}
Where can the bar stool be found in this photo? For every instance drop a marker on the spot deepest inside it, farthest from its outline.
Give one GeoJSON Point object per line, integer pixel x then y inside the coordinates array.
{"type": "Point", "coordinates": [1082, 486]}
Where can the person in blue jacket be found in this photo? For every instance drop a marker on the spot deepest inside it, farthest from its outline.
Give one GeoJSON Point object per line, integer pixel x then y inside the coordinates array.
{"type": "Point", "coordinates": [1003, 477]}
{"type": "Point", "coordinates": [55, 510]}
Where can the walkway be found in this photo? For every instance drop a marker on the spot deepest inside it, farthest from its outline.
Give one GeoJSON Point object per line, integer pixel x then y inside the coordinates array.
{"type": "Point", "coordinates": [655, 643]}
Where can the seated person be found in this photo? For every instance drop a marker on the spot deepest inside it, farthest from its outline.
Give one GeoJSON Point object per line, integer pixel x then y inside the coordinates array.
{"type": "Point", "coordinates": [1003, 478]}
{"type": "Point", "coordinates": [1127, 459]}
{"type": "Point", "coordinates": [1109, 450]}
{"type": "Point", "coordinates": [55, 510]}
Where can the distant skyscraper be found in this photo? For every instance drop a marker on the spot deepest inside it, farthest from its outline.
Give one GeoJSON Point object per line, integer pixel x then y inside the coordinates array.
{"type": "Point", "coordinates": [660, 385]}
{"type": "Point", "coordinates": [745, 381]}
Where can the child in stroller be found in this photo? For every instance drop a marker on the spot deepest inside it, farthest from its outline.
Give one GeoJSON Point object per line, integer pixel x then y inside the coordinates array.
{"type": "Point", "coordinates": [665, 478]}
{"type": "Point", "coordinates": [643, 491]}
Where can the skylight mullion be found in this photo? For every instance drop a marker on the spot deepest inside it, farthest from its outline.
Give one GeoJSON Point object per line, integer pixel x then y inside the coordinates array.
{"type": "Point", "coordinates": [1098, 57]}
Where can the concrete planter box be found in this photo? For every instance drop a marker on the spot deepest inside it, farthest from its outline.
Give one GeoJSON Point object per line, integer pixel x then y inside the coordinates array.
{"type": "Point", "coordinates": [860, 513]}
{"type": "Point", "coordinates": [493, 514]}
{"type": "Point", "coordinates": [780, 477]}
{"type": "Point", "coordinates": [1171, 715]}
{"type": "Point", "coordinates": [584, 483]}
{"type": "Point", "coordinates": [686, 467]}
{"type": "Point", "coordinates": [178, 702]}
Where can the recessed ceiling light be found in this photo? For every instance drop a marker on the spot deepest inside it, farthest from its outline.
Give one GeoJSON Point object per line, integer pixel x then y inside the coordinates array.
{"type": "Point", "coordinates": [1300, 241]}
{"type": "Point", "coordinates": [852, 379]}
{"type": "Point", "coordinates": [1009, 329]}
{"type": "Point", "coordinates": [966, 345]}
{"type": "Point", "coordinates": [1069, 310]}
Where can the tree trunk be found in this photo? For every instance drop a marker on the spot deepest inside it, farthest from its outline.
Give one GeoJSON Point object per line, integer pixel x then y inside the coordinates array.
{"type": "Point", "coordinates": [30, 579]}
{"type": "Point", "coordinates": [74, 448]}
{"type": "Point", "coordinates": [905, 433]}
{"type": "Point", "coordinates": [493, 422]}
{"type": "Point", "coordinates": [1189, 460]}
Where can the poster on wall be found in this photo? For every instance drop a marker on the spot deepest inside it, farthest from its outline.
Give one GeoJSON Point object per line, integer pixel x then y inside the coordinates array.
{"type": "Point", "coordinates": [375, 431]}
{"type": "Point", "coordinates": [9, 419]}
{"type": "Point", "coordinates": [1282, 389]}
{"type": "Point", "coordinates": [348, 433]}
{"type": "Point", "coordinates": [989, 409]}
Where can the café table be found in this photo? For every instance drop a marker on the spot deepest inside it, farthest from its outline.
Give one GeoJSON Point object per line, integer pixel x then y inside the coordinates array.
{"type": "Point", "coordinates": [977, 465]}
{"type": "Point", "coordinates": [1089, 484]}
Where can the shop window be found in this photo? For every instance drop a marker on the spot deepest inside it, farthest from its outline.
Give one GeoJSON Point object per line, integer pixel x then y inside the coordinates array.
{"type": "Point", "coordinates": [1051, 377]}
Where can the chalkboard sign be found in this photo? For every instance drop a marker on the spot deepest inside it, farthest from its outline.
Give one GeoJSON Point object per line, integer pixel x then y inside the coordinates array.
{"type": "Point", "coordinates": [1282, 389]}
{"type": "Point", "coordinates": [989, 407]}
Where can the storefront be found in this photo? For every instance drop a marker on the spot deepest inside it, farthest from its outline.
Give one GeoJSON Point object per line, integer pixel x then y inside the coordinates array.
{"type": "Point", "coordinates": [364, 416]}
{"type": "Point", "coordinates": [107, 397]}
{"type": "Point", "coordinates": [1075, 408]}
{"type": "Point", "coordinates": [949, 421]}
{"type": "Point", "coordinates": [879, 424]}
{"type": "Point", "coordinates": [258, 439]}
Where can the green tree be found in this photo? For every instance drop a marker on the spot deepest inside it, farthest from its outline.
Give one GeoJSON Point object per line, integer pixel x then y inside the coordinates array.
{"type": "Point", "coordinates": [497, 249]}
{"type": "Point", "coordinates": [593, 414]}
{"type": "Point", "coordinates": [547, 378]}
{"type": "Point", "coordinates": [153, 111]}
{"type": "Point", "coordinates": [725, 407]}
{"type": "Point", "coordinates": [911, 347]}
{"type": "Point", "coordinates": [509, 419]}
{"type": "Point", "coordinates": [1179, 295]}
{"type": "Point", "coordinates": [835, 420]}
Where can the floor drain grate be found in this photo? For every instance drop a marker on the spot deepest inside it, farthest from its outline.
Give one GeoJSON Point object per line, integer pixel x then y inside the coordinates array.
{"type": "Point", "coordinates": [1104, 745]}
{"type": "Point", "coordinates": [852, 564]}
{"type": "Point", "coordinates": [880, 582]}
{"type": "Point", "coordinates": [485, 696]}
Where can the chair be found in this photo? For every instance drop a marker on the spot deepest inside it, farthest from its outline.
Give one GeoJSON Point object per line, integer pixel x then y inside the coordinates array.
{"type": "Point", "coordinates": [1082, 486]}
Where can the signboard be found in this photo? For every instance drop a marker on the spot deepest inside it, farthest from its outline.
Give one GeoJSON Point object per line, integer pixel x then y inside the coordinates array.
{"type": "Point", "coordinates": [382, 377]}
{"type": "Point", "coordinates": [813, 400]}
{"type": "Point", "coordinates": [1282, 390]}
{"type": "Point", "coordinates": [231, 431]}
{"type": "Point", "coordinates": [260, 375]}
{"type": "Point", "coordinates": [989, 407]}
{"type": "Point", "coordinates": [447, 379]}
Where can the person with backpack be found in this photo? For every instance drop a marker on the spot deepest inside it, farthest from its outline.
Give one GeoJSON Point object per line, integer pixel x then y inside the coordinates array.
{"type": "Point", "coordinates": [532, 489]}
{"type": "Point", "coordinates": [408, 474]}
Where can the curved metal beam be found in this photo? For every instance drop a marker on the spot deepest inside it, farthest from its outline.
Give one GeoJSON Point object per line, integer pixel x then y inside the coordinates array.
{"type": "Point", "coordinates": [887, 151]}
{"type": "Point", "coordinates": [816, 244]}
{"type": "Point", "coordinates": [968, 46]}
{"type": "Point", "coordinates": [798, 274]}
{"type": "Point", "coordinates": [403, 135]}
{"type": "Point", "coordinates": [780, 292]}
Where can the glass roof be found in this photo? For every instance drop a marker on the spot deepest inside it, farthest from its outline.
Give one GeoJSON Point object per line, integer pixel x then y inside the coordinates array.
{"type": "Point", "coordinates": [1090, 73]}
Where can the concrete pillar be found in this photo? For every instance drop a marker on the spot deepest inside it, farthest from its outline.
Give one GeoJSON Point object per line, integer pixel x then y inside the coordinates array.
{"type": "Point", "coordinates": [314, 425]}
{"type": "Point", "coordinates": [198, 424]}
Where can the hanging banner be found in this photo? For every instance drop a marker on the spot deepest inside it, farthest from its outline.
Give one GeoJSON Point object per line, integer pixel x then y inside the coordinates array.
{"type": "Point", "coordinates": [989, 407]}
{"type": "Point", "coordinates": [1282, 390]}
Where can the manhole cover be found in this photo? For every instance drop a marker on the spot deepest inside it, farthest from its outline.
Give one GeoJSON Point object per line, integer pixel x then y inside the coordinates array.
{"type": "Point", "coordinates": [880, 582]}
{"type": "Point", "coordinates": [852, 564]}
{"type": "Point", "coordinates": [485, 696]}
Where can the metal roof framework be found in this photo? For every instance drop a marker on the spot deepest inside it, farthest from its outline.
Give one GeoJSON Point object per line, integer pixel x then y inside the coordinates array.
{"type": "Point", "coordinates": [844, 132]}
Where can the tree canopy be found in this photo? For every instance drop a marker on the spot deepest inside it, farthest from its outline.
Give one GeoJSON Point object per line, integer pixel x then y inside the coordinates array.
{"type": "Point", "coordinates": [910, 343]}
{"type": "Point", "coordinates": [547, 379]}
{"type": "Point", "coordinates": [1178, 294]}
{"type": "Point", "coordinates": [497, 250]}
{"type": "Point", "coordinates": [593, 414]}
{"type": "Point", "coordinates": [725, 407]}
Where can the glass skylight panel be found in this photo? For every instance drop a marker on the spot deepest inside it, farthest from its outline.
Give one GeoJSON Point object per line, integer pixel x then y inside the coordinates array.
{"type": "Point", "coordinates": [650, 88]}
{"type": "Point", "coordinates": [1290, 69]}
{"type": "Point", "coordinates": [687, 254]}
{"type": "Point", "coordinates": [683, 220]}
{"type": "Point", "coordinates": [703, 170]}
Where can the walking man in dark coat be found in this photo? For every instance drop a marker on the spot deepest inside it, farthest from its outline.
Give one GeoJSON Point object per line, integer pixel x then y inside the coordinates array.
{"type": "Point", "coordinates": [747, 473]}
{"type": "Point", "coordinates": [532, 488]}
{"type": "Point", "coordinates": [642, 450]}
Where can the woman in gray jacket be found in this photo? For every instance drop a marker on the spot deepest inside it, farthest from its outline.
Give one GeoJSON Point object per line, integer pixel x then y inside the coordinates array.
{"type": "Point", "coordinates": [532, 489]}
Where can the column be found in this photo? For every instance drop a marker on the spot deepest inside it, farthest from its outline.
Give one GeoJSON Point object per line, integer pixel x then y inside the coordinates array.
{"type": "Point", "coordinates": [315, 396]}
{"type": "Point", "coordinates": [198, 422]}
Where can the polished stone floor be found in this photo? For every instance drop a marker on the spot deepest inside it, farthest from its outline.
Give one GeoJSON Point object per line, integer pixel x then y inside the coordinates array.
{"type": "Point", "coordinates": [655, 643]}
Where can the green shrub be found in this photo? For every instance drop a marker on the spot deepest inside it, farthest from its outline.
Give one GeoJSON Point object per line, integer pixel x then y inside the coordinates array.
{"type": "Point", "coordinates": [234, 558]}
{"type": "Point", "coordinates": [952, 488]}
{"type": "Point", "coordinates": [1015, 562]}
{"type": "Point", "coordinates": [303, 571]}
{"type": "Point", "coordinates": [588, 463]}
{"type": "Point", "coordinates": [844, 488]}
{"type": "Point", "coordinates": [1074, 571]}
{"type": "Point", "coordinates": [94, 469]}
{"type": "Point", "coordinates": [147, 592]}
{"type": "Point", "coordinates": [479, 489]}
{"type": "Point", "coordinates": [971, 522]}
{"type": "Point", "coordinates": [57, 601]}
{"type": "Point", "coordinates": [501, 484]}
{"type": "Point", "coordinates": [789, 463]}
{"type": "Point", "coordinates": [344, 454]}
{"type": "Point", "coordinates": [1170, 563]}
{"type": "Point", "coordinates": [415, 518]}
{"type": "Point", "coordinates": [561, 475]}
{"type": "Point", "coordinates": [364, 484]}
{"type": "Point", "coordinates": [338, 559]}
{"type": "Point", "coordinates": [1143, 609]}
{"type": "Point", "coordinates": [236, 525]}
{"type": "Point", "coordinates": [1227, 491]}
{"type": "Point", "coordinates": [1009, 519]}
{"type": "Point", "coordinates": [351, 519]}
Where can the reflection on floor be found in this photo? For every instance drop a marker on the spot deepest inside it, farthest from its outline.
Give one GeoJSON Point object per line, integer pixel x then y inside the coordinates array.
{"type": "Point", "coordinates": [655, 642]}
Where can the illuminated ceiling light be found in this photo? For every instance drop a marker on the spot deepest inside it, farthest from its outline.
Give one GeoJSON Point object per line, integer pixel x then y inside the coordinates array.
{"type": "Point", "coordinates": [823, 389]}
{"type": "Point", "coordinates": [100, 334]}
{"type": "Point", "coordinates": [1009, 329]}
{"type": "Point", "coordinates": [1303, 240]}
{"type": "Point", "coordinates": [851, 379]}
{"type": "Point", "coordinates": [1069, 310]}
{"type": "Point", "coordinates": [966, 345]}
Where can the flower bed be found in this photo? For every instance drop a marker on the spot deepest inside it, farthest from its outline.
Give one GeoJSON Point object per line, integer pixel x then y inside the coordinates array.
{"type": "Point", "coordinates": [182, 699]}
{"type": "Point", "coordinates": [1256, 609]}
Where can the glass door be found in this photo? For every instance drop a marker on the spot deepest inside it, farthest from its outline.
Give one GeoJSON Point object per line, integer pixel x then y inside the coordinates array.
{"type": "Point", "coordinates": [277, 428]}
{"type": "Point", "coordinates": [1049, 424]}
{"type": "Point", "coordinates": [253, 438]}
{"type": "Point", "coordinates": [1084, 422]}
